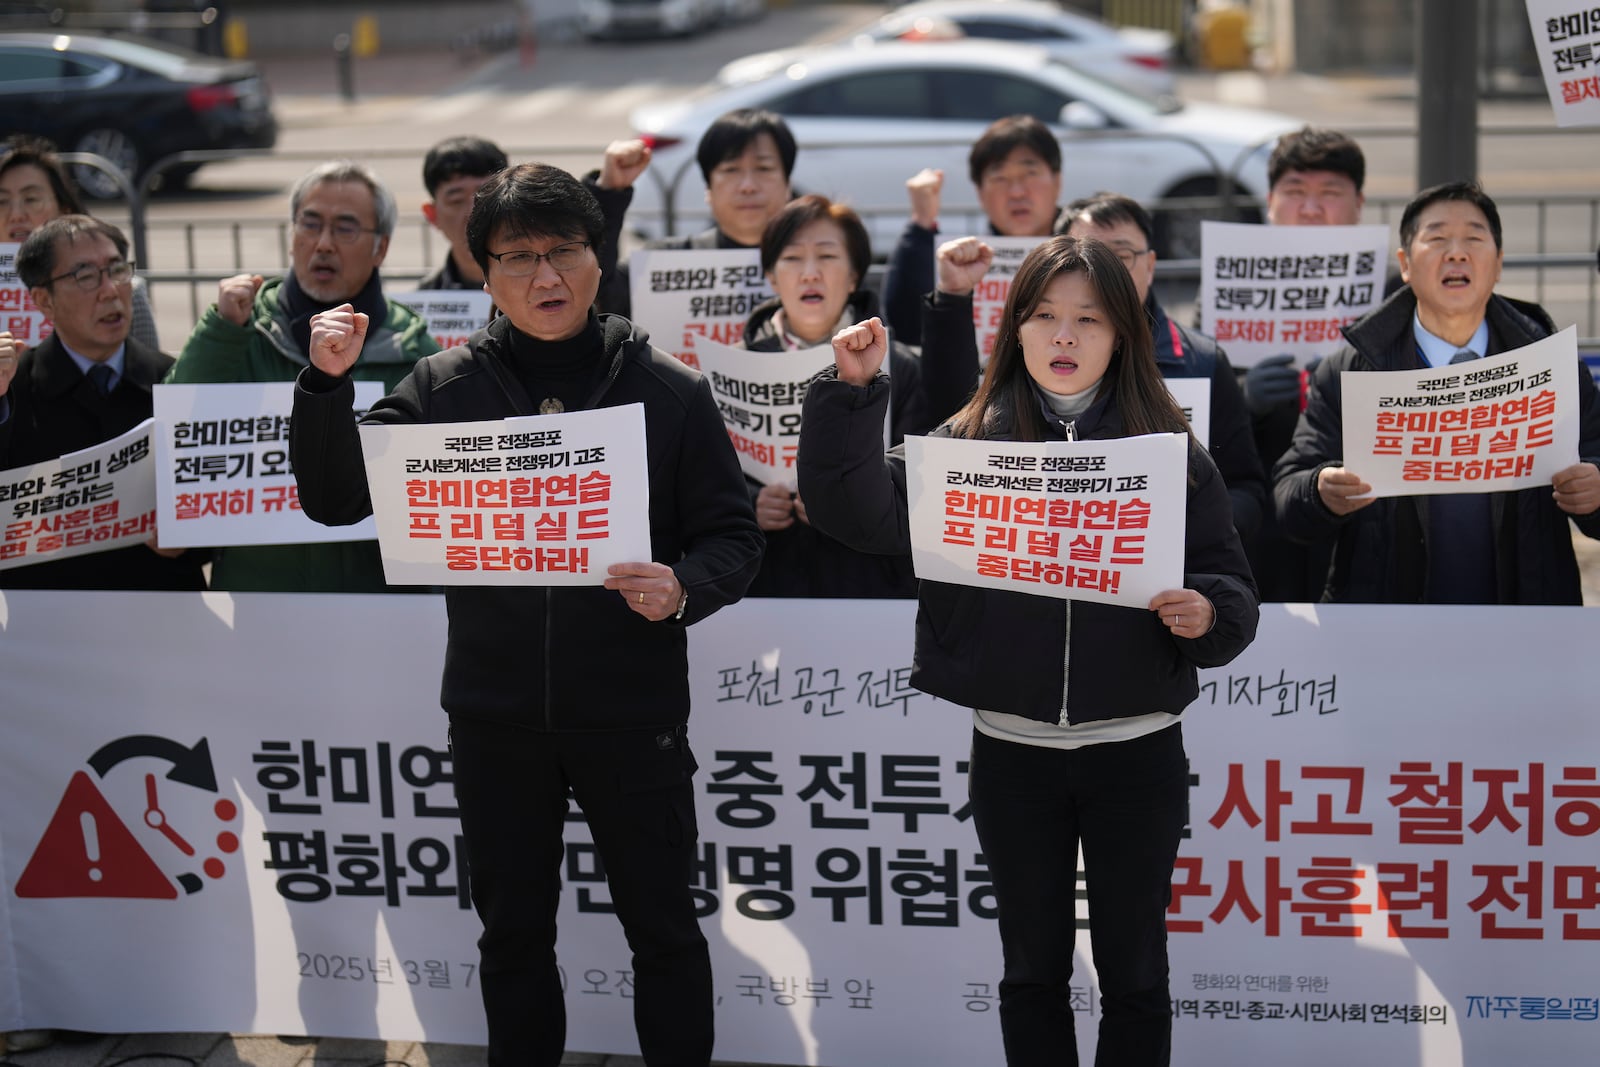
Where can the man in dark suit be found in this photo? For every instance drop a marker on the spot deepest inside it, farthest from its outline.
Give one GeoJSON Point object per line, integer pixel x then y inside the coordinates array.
{"type": "Point", "coordinates": [86, 383]}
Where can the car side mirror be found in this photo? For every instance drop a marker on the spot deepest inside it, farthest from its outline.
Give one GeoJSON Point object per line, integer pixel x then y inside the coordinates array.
{"type": "Point", "coordinates": [1079, 115]}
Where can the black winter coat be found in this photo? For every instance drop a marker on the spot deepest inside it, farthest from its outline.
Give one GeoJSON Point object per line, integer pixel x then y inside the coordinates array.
{"type": "Point", "coordinates": [570, 657]}
{"type": "Point", "coordinates": [1003, 651]}
{"type": "Point", "coordinates": [1381, 552]}
{"type": "Point", "coordinates": [56, 410]}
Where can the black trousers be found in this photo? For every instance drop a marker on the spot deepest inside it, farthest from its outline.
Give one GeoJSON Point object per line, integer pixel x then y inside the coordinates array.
{"type": "Point", "coordinates": [1127, 804]}
{"type": "Point", "coordinates": [635, 790]}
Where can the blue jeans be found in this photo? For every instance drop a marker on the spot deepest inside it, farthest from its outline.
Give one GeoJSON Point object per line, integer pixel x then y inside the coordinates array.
{"type": "Point", "coordinates": [1127, 804]}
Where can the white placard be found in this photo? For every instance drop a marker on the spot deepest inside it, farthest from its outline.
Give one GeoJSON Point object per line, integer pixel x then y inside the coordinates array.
{"type": "Point", "coordinates": [1078, 520]}
{"type": "Point", "coordinates": [222, 462]}
{"type": "Point", "coordinates": [1194, 397]}
{"type": "Point", "coordinates": [1355, 885]}
{"type": "Point", "coordinates": [760, 395]}
{"type": "Point", "coordinates": [18, 315]}
{"type": "Point", "coordinates": [92, 500]}
{"type": "Point", "coordinates": [1566, 36]}
{"type": "Point", "coordinates": [452, 315]}
{"type": "Point", "coordinates": [989, 295]}
{"type": "Point", "coordinates": [1266, 290]}
{"type": "Point", "coordinates": [1506, 422]}
{"type": "Point", "coordinates": [684, 296]}
{"type": "Point", "coordinates": [537, 500]}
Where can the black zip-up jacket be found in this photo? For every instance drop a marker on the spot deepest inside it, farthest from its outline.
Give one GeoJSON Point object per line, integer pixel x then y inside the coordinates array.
{"type": "Point", "coordinates": [570, 657]}
{"type": "Point", "coordinates": [1380, 553]}
{"type": "Point", "coordinates": [1010, 652]}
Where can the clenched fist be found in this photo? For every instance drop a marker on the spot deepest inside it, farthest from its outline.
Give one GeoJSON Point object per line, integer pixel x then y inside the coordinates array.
{"type": "Point", "coordinates": [236, 295]}
{"type": "Point", "coordinates": [336, 339]}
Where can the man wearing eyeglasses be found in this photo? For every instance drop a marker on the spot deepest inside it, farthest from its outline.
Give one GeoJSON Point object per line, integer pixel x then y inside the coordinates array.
{"type": "Point", "coordinates": [86, 383]}
{"type": "Point", "coordinates": [260, 331]}
{"type": "Point", "coordinates": [581, 688]}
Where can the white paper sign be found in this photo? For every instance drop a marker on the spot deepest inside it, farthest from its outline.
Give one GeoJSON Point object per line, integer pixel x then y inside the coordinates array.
{"type": "Point", "coordinates": [1506, 422]}
{"type": "Point", "coordinates": [1194, 397]}
{"type": "Point", "coordinates": [222, 462]}
{"type": "Point", "coordinates": [684, 296]}
{"type": "Point", "coordinates": [18, 315]}
{"type": "Point", "coordinates": [1265, 290]}
{"type": "Point", "coordinates": [1078, 520]}
{"type": "Point", "coordinates": [1566, 36]}
{"type": "Point", "coordinates": [538, 500]}
{"type": "Point", "coordinates": [87, 501]}
{"type": "Point", "coordinates": [452, 315]}
{"type": "Point", "coordinates": [759, 395]}
{"type": "Point", "coordinates": [989, 295]}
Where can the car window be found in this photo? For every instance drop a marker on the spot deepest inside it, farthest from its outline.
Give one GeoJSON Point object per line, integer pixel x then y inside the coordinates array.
{"type": "Point", "coordinates": [894, 94]}
{"type": "Point", "coordinates": [983, 97]}
{"type": "Point", "coordinates": [993, 29]}
{"type": "Point", "coordinates": [21, 65]}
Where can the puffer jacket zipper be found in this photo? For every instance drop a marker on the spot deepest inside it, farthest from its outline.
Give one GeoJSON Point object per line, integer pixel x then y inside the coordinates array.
{"type": "Point", "coordinates": [1071, 429]}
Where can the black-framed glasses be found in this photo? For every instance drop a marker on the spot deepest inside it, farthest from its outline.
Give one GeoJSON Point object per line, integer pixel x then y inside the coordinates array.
{"type": "Point", "coordinates": [88, 276]}
{"type": "Point", "coordinates": [345, 231]}
{"type": "Point", "coordinates": [1130, 256]}
{"type": "Point", "coordinates": [520, 264]}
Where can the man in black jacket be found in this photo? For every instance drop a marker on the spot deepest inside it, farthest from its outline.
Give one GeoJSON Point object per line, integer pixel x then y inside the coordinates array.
{"type": "Point", "coordinates": [86, 383]}
{"type": "Point", "coordinates": [573, 687]}
{"type": "Point", "coordinates": [1470, 548]}
{"type": "Point", "coordinates": [453, 171]}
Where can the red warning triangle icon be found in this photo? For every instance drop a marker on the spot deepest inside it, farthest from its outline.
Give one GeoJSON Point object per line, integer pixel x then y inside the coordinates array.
{"type": "Point", "coordinates": [87, 851]}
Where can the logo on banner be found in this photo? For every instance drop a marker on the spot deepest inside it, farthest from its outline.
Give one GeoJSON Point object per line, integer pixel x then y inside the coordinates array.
{"type": "Point", "coordinates": [90, 850]}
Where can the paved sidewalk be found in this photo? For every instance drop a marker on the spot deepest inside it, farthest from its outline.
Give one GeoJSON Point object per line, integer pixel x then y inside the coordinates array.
{"type": "Point", "coordinates": [261, 1050]}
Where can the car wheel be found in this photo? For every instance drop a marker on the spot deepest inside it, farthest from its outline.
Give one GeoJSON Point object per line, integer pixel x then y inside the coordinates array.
{"type": "Point", "coordinates": [116, 147]}
{"type": "Point", "coordinates": [1178, 226]}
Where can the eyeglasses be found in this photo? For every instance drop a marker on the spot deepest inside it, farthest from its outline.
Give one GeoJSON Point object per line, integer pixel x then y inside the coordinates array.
{"type": "Point", "coordinates": [88, 277]}
{"type": "Point", "coordinates": [1130, 256]}
{"type": "Point", "coordinates": [345, 231]}
{"type": "Point", "coordinates": [521, 264]}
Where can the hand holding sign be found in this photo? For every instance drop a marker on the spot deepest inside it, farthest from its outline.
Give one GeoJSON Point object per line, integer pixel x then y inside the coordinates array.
{"type": "Point", "coordinates": [9, 354]}
{"type": "Point", "coordinates": [1577, 488]}
{"type": "Point", "coordinates": [624, 162]}
{"type": "Point", "coordinates": [775, 507]}
{"type": "Point", "coordinates": [925, 187]}
{"type": "Point", "coordinates": [860, 350]}
{"type": "Point", "coordinates": [236, 295]}
{"type": "Point", "coordinates": [962, 265]}
{"type": "Point", "coordinates": [650, 589]}
{"type": "Point", "coordinates": [1342, 491]}
{"type": "Point", "coordinates": [336, 339]}
{"type": "Point", "coordinates": [1185, 612]}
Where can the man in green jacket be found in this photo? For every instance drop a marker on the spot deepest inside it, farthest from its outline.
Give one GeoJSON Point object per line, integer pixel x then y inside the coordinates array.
{"type": "Point", "coordinates": [260, 331]}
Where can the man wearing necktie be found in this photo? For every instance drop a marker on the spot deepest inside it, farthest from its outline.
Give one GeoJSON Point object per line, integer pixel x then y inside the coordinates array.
{"type": "Point", "coordinates": [86, 383]}
{"type": "Point", "coordinates": [1485, 548]}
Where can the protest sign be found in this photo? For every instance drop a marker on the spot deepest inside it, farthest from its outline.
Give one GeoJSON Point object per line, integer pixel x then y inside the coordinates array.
{"type": "Point", "coordinates": [18, 315]}
{"type": "Point", "coordinates": [1566, 38]}
{"type": "Point", "coordinates": [682, 296]}
{"type": "Point", "coordinates": [95, 499]}
{"type": "Point", "coordinates": [452, 315]}
{"type": "Point", "coordinates": [989, 295]}
{"type": "Point", "coordinates": [759, 395]}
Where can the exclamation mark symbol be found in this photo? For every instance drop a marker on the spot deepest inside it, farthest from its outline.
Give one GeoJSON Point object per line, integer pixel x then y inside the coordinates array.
{"type": "Point", "coordinates": [91, 844]}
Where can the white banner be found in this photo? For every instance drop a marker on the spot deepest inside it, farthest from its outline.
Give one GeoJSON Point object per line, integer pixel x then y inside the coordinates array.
{"type": "Point", "coordinates": [96, 499]}
{"type": "Point", "coordinates": [1566, 36]}
{"type": "Point", "coordinates": [1356, 885]}
{"type": "Point", "coordinates": [1266, 290]}
{"type": "Point", "coordinates": [1506, 422]}
{"type": "Point", "coordinates": [222, 467]}
{"type": "Point", "coordinates": [684, 296]}
{"type": "Point", "coordinates": [452, 315]}
{"type": "Point", "coordinates": [1194, 397]}
{"type": "Point", "coordinates": [18, 315]}
{"type": "Point", "coordinates": [1078, 520]}
{"type": "Point", "coordinates": [759, 395]}
{"type": "Point", "coordinates": [989, 296]}
{"type": "Point", "coordinates": [537, 500]}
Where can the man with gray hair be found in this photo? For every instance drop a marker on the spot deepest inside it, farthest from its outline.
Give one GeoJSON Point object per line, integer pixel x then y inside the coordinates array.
{"type": "Point", "coordinates": [259, 330]}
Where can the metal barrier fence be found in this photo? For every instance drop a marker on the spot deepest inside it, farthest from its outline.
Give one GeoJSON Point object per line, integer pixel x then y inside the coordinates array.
{"type": "Point", "coordinates": [1550, 240]}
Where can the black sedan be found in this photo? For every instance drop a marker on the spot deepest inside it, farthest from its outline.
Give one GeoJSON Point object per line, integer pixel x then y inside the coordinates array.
{"type": "Point", "coordinates": [130, 100]}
